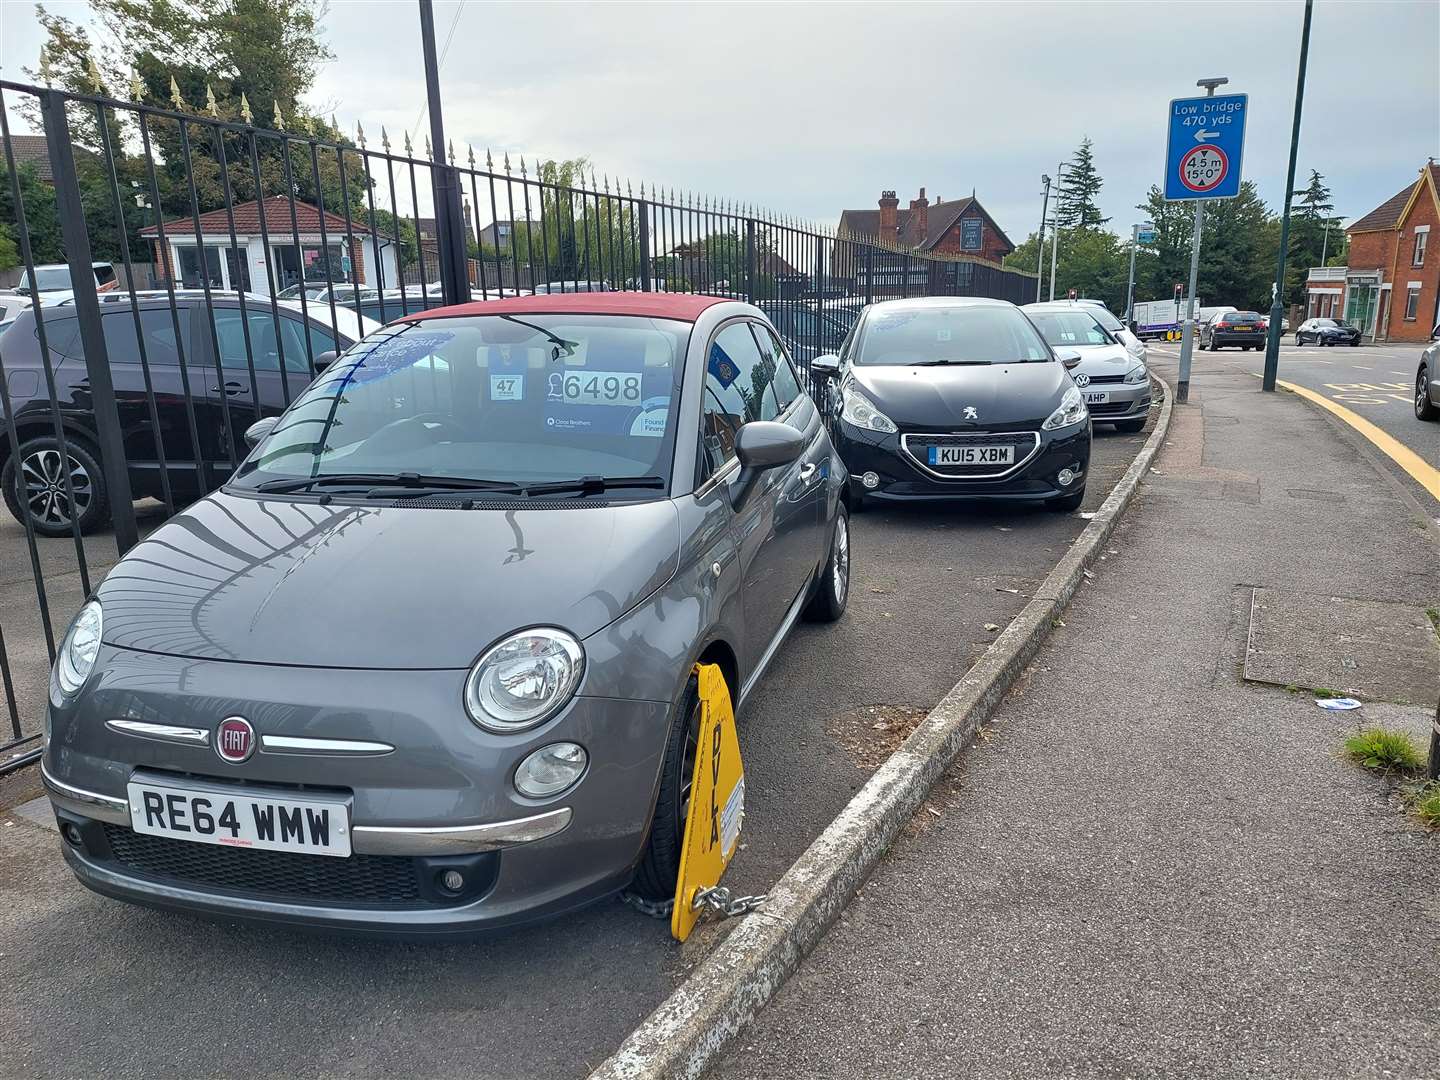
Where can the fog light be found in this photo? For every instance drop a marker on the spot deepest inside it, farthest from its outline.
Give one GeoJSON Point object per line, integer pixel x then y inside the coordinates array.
{"type": "Point", "coordinates": [551, 769]}
{"type": "Point", "coordinates": [452, 881]}
{"type": "Point", "coordinates": [71, 834]}
{"type": "Point", "coordinates": [871, 480]}
{"type": "Point", "coordinates": [1066, 477]}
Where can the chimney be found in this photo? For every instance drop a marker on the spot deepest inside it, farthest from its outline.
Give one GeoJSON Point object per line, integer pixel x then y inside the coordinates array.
{"type": "Point", "coordinates": [889, 217]}
{"type": "Point", "coordinates": [920, 215]}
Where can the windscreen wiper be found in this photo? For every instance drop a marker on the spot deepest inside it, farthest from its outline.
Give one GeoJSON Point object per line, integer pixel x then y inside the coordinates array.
{"type": "Point", "coordinates": [411, 482]}
{"type": "Point", "coordinates": [594, 485]}
{"type": "Point", "coordinates": [956, 363]}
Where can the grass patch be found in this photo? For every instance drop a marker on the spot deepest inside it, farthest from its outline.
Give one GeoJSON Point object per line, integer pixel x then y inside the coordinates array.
{"type": "Point", "coordinates": [1326, 692]}
{"type": "Point", "coordinates": [1386, 751]}
{"type": "Point", "coordinates": [1434, 614]}
{"type": "Point", "coordinates": [1427, 806]}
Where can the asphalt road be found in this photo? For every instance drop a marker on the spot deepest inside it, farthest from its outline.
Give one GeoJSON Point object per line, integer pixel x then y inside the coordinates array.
{"type": "Point", "coordinates": [93, 987]}
{"type": "Point", "coordinates": [1375, 381]}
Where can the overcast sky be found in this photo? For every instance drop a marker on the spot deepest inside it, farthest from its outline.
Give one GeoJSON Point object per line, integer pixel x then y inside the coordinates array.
{"type": "Point", "coordinates": [812, 108]}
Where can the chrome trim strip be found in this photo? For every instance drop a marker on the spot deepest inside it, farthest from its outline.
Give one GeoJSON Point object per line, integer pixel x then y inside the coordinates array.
{"type": "Point", "coordinates": [458, 839]}
{"type": "Point", "coordinates": [720, 476]}
{"type": "Point", "coordinates": [190, 736]}
{"type": "Point", "coordinates": [296, 744]}
{"type": "Point", "coordinates": [86, 803]}
{"type": "Point", "coordinates": [923, 467]}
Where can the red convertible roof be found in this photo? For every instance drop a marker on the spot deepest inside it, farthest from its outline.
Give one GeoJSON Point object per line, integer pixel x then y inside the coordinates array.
{"type": "Point", "coordinates": [685, 306]}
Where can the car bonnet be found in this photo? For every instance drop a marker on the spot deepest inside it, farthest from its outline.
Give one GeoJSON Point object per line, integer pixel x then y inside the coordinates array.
{"type": "Point", "coordinates": [282, 581]}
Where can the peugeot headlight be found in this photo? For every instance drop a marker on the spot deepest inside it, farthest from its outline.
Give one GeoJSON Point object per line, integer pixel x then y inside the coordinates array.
{"type": "Point", "coordinates": [78, 651]}
{"type": "Point", "coordinates": [1071, 411]}
{"type": "Point", "coordinates": [524, 680]}
{"type": "Point", "coordinates": [1136, 375]}
{"type": "Point", "coordinates": [860, 411]}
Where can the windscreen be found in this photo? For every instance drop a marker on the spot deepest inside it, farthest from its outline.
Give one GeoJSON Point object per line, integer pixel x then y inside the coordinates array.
{"type": "Point", "coordinates": [514, 398]}
{"type": "Point", "coordinates": [959, 334]}
{"type": "Point", "coordinates": [47, 279]}
{"type": "Point", "coordinates": [1069, 329]}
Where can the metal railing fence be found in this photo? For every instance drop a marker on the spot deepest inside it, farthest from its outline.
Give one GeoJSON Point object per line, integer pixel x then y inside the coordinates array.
{"type": "Point", "coordinates": [270, 246]}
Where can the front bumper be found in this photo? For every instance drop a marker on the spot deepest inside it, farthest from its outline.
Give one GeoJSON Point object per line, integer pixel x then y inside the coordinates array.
{"type": "Point", "coordinates": [1127, 401]}
{"type": "Point", "coordinates": [442, 798]}
{"type": "Point", "coordinates": [902, 479]}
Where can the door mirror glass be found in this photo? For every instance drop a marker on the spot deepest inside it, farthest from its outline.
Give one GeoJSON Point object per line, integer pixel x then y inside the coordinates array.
{"type": "Point", "coordinates": [259, 429]}
{"type": "Point", "coordinates": [325, 359]}
{"type": "Point", "coordinates": [826, 365]}
{"type": "Point", "coordinates": [1069, 357]}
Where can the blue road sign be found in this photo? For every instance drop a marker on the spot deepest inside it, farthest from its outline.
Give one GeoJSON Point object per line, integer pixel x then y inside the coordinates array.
{"type": "Point", "coordinates": [1146, 236]}
{"type": "Point", "coordinates": [1205, 147]}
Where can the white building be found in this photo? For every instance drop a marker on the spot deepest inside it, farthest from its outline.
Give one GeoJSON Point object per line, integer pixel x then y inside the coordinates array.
{"type": "Point", "coordinates": [297, 248]}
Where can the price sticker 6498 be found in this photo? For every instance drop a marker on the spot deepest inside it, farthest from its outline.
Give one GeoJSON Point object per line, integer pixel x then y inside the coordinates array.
{"type": "Point", "coordinates": [601, 388]}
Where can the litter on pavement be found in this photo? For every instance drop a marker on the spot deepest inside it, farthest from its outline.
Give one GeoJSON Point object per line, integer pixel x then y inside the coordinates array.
{"type": "Point", "coordinates": [1337, 704]}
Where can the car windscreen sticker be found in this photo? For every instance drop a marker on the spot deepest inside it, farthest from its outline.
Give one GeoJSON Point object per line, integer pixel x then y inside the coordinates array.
{"type": "Point", "coordinates": [507, 377]}
{"type": "Point", "coordinates": [399, 353]}
{"type": "Point", "coordinates": [943, 334]}
{"type": "Point", "coordinates": [614, 394]}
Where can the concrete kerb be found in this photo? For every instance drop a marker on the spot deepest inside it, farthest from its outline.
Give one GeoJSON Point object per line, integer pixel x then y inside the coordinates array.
{"type": "Point", "coordinates": [691, 1027]}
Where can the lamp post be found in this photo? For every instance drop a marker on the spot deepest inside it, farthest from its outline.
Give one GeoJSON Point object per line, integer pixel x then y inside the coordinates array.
{"type": "Point", "coordinates": [1040, 258]}
{"type": "Point", "coordinates": [1277, 304]}
{"type": "Point", "coordinates": [1187, 332]}
{"type": "Point", "coordinates": [1055, 239]}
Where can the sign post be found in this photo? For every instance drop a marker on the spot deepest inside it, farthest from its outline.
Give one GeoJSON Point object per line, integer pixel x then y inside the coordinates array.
{"type": "Point", "coordinates": [1139, 234]}
{"type": "Point", "coordinates": [1202, 161]}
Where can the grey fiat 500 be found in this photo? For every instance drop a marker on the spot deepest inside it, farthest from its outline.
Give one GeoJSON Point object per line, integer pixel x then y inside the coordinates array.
{"type": "Point", "coordinates": [425, 663]}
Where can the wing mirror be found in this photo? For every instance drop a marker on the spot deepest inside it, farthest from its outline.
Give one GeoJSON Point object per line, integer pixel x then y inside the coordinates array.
{"type": "Point", "coordinates": [1069, 357]}
{"type": "Point", "coordinates": [762, 445]}
{"type": "Point", "coordinates": [324, 360]}
{"type": "Point", "coordinates": [827, 366]}
{"type": "Point", "coordinates": [259, 429]}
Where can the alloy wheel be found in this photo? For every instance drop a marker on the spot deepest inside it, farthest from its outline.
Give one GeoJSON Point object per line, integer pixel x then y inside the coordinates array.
{"type": "Point", "coordinates": [840, 570]}
{"type": "Point", "coordinates": [42, 476]}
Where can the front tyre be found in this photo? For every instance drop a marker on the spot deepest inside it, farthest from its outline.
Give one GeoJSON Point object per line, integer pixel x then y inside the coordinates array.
{"type": "Point", "coordinates": [833, 588]}
{"type": "Point", "coordinates": [660, 865]}
{"type": "Point", "coordinates": [1425, 409]}
{"type": "Point", "coordinates": [33, 481]}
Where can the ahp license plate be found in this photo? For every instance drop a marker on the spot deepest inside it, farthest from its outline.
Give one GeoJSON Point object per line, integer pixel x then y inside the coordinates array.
{"type": "Point", "coordinates": [1096, 397]}
{"type": "Point", "coordinates": [972, 455]}
{"type": "Point", "coordinates": [240, 819]}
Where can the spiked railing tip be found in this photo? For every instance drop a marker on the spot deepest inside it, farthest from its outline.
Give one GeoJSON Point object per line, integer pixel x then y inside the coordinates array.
{"type": "Point", "coordinates": [489, 161]}
{"type": "Point", "coordinates": [93, 73]}
{"type": "Point", "coordinates": [137, 88]}
{"type": "Point", "coordinates": [245, 113]}
{"type": "Point", "coordinates": [522, 165]}
{"type": "Point", "coordinates": [45, 65]}
{"type": "Point", "coordinates": [429, 150]}
{"type": "Point", "coordinates": [211, 105]}
{"type": "Point", "coordinates": [471, 147]}
{"type": "Point", "coordinates": [279, 118]}
{"type": "Point", "coordinates": [384, 139]}
{"type": "Point", "coordinates": [507, 161]}
{"type": "Point", "coordinates": [360, 134]}
{"type": "Point", "coordinates": [409, 148]}
{"type": "Point", "coordinates": [452, 152]}
{"type": "Point", "coordinates": [175, 98]}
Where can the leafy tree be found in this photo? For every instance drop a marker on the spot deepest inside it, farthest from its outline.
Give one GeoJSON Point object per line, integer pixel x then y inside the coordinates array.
{"type": "Point", "coordinates": [1093, 262]}
{"type": "Point", "coordinates": [1081, 183]}
{"type": "Point", "coordinates": [1315, 234]}
{"type": "Point", "coordinates": [42, 219]}
{"type": "Point", "coordinates": [578, 234]}
{"type": "Point", "coordinates": [1237, 250]}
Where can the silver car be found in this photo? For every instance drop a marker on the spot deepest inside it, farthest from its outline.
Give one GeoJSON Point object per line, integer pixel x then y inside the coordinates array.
{"type": "Point", "coordinates": [425, 664]}
{"type": "Point", "coordinates": [1115, 384]}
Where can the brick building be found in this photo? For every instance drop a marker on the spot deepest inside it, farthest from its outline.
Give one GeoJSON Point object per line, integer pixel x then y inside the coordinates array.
{"type": "Point", "coordinates": [957, 227]}
{"type": "Point", "coordinates": [1390, 287]}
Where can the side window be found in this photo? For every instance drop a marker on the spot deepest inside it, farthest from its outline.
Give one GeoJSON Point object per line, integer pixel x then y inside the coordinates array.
{"type": "Point", "coordinates": [156, 326]}
{"type": "Point", "coordinates": [784, 386]}
{"type": "Point", "coordinates": [292, 340]}
{"type": "Point", "coordinates": [104, 274]}
{"type": "Point", "coordinates": [731, 397]}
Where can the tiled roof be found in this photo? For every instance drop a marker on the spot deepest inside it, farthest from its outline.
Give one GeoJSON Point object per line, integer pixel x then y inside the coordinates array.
{"type": "Point", "coordinates": [247, 221]}
{"type": "Point", "coordinates": [939, 218]}
{"type": "Point", "coordinates": [1386, 215]}
{"type": "Point", "coordinates": [31, 150]}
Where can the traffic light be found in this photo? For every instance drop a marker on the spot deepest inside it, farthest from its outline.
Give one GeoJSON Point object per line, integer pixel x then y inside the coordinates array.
{"type": "Point", "coordinates": [1179, 292]}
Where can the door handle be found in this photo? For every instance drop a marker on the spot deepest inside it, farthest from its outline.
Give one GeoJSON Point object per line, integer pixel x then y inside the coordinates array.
{"type": "Point", "coordinates": [231, 388]}
{"type": "Point", "coordinates": [808, 471]}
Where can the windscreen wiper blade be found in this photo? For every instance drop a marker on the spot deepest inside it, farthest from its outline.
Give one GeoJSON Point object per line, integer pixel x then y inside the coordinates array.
{"type": "Point", "coordinates": [594, 485]}
{"type": "Point", "coordinates": [406, 480]}
{"type": "Point", "coordinates": [956, 363]}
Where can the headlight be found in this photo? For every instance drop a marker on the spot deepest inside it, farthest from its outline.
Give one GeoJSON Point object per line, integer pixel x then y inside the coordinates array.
{"type": "Point", "coordinates": [1071, 411]}
{"type": "Point", "coordinates": [524, 680]}
{"type": "Point", "coordinates": [79, 649]}
{"type": "Point", "coordinates": [861, 411]}
{"type": "Point", "coordinates": [551, 769]}
{"type": "Point", "coordinates": [1136, 375]}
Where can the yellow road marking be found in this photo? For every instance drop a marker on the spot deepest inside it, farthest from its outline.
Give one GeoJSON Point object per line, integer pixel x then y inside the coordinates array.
{"type": "Point", "coordinates": [1425, 474]}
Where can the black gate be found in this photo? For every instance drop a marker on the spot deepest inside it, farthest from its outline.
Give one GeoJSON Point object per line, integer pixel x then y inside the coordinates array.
{"type": "Point", "coordinates": [270, 246]}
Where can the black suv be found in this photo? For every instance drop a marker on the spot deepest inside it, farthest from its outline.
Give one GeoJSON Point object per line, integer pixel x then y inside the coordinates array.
{"type": "Point", "coordinates": [202, 408]}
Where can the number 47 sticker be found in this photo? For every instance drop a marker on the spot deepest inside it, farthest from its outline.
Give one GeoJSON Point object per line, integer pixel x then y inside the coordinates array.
{"type": "Point", "coordinates": [507, 388]}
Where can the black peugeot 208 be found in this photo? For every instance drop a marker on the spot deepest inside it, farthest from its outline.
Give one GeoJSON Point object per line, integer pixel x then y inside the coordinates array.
{"type": "Point", "coordinates": [956, 398]}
